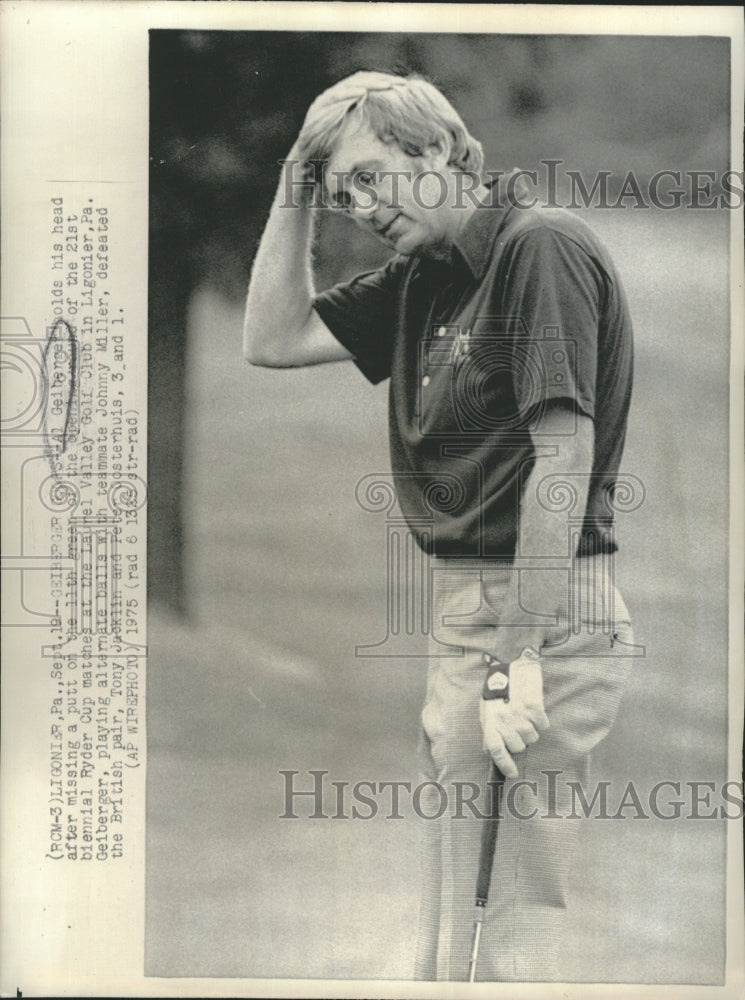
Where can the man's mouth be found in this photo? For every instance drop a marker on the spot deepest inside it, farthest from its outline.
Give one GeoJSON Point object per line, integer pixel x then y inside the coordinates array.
{"type": "Point", "coordinates": [387, 228]}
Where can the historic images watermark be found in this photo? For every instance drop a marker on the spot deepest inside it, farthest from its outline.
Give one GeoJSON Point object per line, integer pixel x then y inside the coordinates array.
{"type": "Point", "coordinates": [316, 795]}
{"type": "Point", "coordinates": [553, 185]}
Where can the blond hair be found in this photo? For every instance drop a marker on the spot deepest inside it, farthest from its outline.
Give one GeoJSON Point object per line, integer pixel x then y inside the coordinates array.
{"type": "Point", "coordinates": [404, 109]}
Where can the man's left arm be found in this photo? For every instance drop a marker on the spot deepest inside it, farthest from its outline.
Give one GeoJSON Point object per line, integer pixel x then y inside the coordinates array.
{"type": "Point", "coordinates": [535, 595]}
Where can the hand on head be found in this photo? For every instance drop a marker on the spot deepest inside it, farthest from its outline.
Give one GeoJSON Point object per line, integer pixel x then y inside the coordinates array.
{"type": "Point", "coordinates": [340, 98]}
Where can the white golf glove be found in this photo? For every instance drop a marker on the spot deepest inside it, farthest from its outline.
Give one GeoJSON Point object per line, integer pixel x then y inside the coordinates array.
{"type": "Point", "coordinates": [511, 709]}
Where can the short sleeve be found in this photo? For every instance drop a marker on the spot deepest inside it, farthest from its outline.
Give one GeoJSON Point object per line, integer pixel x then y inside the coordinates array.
{"type": "Point", "coordinates": [362, 315]}
{"type": "Point", "coordinates": [553, 289]}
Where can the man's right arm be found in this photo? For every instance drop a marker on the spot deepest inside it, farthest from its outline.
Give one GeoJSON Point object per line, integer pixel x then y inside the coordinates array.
{"type": "Point", "coordinates": [281, 329]}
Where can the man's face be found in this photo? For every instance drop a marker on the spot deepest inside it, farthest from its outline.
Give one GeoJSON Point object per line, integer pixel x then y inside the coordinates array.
{"type": "Point", "coordinates": [402, 200]}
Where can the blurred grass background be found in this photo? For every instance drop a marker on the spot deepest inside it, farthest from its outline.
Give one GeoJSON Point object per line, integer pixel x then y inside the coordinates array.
{"type": "Point", "coordinates": [265, 573]}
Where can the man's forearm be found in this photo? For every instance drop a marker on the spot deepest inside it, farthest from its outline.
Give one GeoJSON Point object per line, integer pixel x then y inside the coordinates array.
{"type": "Point", "coordinates": [280, 292]}
{"type": "Point", "coordinates": [534, 595]}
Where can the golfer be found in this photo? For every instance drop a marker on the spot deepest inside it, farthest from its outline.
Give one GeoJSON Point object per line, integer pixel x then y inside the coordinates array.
{"type": "Point", "coordinates": [505, 334]}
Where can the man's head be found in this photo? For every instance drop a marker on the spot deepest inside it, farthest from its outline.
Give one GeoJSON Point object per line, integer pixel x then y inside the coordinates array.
{"type": "Point", "coordinates": [372, 126]}
{"type": "Point", "coordinates": [407, 110]}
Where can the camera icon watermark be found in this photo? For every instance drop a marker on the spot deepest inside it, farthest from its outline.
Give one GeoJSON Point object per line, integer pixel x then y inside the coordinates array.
{"type": "Point", "coordinates": [40, 379]}
{"type": "Point", "coordinates": [491, 378]}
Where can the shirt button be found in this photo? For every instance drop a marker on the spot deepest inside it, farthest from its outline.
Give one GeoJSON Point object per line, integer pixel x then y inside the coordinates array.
{"type": "Point", "coordinates": [425, 380]}
{"type": "Point", "coordinates": [442, 331]}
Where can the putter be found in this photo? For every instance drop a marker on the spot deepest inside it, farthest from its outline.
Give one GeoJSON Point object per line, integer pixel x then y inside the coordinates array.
{"type": "Point", "coordinates": [486, 861]}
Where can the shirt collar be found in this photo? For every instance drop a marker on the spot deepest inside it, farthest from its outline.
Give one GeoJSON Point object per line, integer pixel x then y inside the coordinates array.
{"type": "Point", "coordinates": [474, 243]}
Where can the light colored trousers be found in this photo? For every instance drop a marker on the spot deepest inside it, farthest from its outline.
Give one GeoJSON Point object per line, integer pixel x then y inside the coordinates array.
{"type": "Point", "coordinates": [586, 661]}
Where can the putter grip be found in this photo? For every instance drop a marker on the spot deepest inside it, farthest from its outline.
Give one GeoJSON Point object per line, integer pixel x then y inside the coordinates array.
{"type": "Point", "coordinates": [489, 838]}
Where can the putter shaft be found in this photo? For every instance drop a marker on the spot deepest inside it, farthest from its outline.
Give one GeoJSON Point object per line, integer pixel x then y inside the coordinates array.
{"type": "Point", "coordinates": [478, 921]}
{"type": "Point", "coordinates": [486, 861]}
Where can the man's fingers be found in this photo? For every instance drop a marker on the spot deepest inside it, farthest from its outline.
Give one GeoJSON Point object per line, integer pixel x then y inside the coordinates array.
{"type": "Point", "coordinates": [539, 719]}
{"type": "Point", "coordinates": [501, 758]}
{"type": "Point", "coordinates": [328, 103]}
{"type": "Point", "coordinates": [509, 731]}
{"type": "Point", "coordinates": [527, 721]}
{"type": "Point", "coordinates": [513, 740]}
{"type": "Point", "coordinates": [498, 731]}
{"type": "Point", "coordinates": [527, 732]}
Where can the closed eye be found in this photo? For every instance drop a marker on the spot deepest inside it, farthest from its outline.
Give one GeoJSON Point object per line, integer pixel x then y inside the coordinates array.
{"type": "Point", "coordinates": [341, 201]}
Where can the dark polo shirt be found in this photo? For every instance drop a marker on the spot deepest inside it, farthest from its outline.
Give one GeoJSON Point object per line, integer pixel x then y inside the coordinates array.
{"type": "Point", "coordinates": [528, 309]}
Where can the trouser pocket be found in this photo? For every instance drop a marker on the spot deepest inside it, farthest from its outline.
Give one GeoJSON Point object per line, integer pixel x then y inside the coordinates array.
{"type": "Point", "coordinates": [592, 618]}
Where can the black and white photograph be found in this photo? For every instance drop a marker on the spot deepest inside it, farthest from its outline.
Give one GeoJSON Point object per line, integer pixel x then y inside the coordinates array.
{"type": "Point", "coordinates": [372, 460]}
{"type": "Point", "coordinates": [524, 464]}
